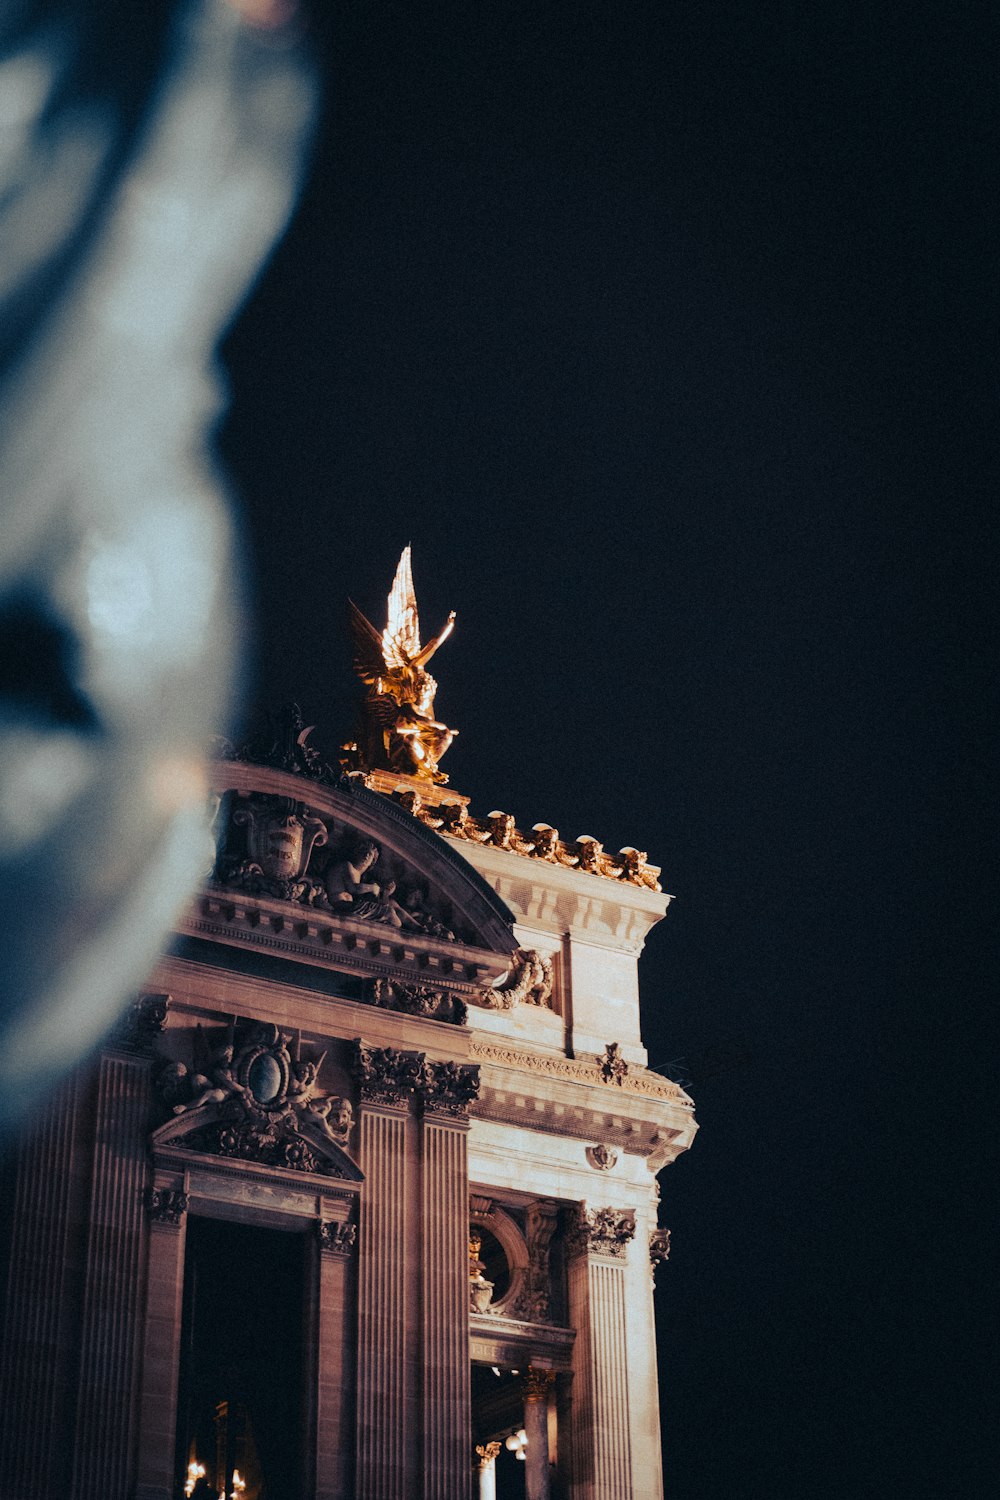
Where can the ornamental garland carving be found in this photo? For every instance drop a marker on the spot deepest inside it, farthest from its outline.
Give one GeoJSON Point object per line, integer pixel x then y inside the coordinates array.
{"type": "Point", "coordinates": [419, 1000]}
{"type": "Point", "coordinates": [251, 1098]}
{"type": "Point", "coordinates": [600, 1231]}
{"type": "Point", "coordinates": [530, 981]}
{"type": "Point", "coordinates": [278, 847]}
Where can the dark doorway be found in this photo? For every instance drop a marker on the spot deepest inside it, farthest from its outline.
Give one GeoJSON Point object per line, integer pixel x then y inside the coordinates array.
{"type": "Point", "coordinates": [497, 1414]}
{"type": "Point", "coordinates": [242, 1364]}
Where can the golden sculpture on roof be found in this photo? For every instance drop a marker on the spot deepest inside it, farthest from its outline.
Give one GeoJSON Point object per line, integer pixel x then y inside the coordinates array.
{"type": "Point", "coordinates": [399, 731]}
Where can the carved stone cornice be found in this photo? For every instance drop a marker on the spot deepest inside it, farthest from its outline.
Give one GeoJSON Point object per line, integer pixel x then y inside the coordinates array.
{"type": "Point", "coordinates": [448, 1088]}
{"type": "Point", "coordinates": [336, 1237]}
{"type": "Point", "coordinates": [600, 1231]}
{"type": "Point", "coordinates": [386, 1076]}
{"type": "Point", "coordinates": [536, 1383]}
{"type": "Point", "coordinates": [167, 1206]}
{"type": "Point", "coordinates": [140, 1025]}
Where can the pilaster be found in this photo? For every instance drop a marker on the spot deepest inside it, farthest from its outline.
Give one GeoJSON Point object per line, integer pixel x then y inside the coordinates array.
{"type": "Point", "coordinates": [335, 1240]}
{"type": "Point", "coordinates": [105, 1439]}
{"type": "Point", "coordinates": [445, 1091]}
{"type": "Point", "coordinates": [167, 1204]}
{"type": "Point", "coordinates": [597, 1247]}
{"type": "Point", "coordinates": [388, 1271]}
{"type": "Point", "coordinates": [37, 1372]}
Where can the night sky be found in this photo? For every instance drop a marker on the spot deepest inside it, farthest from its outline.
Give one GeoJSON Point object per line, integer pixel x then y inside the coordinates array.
{"type": "Point", "coordinates": [642, 324]}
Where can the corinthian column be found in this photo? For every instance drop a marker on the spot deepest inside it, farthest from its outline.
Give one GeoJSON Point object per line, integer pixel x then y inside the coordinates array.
{"type": "Point", "coordinates": [597, 1246]}
{"type": "Point", "coordinates": [537, 1384]}
{"type": "Point", "coordinates": [388, 1267]}
{"type": "Point", "coordinates": [446, 1091]}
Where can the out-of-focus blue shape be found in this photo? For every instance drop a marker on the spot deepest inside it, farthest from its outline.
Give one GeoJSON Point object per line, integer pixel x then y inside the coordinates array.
{"type": "Point", "coordinates": [145, 172]}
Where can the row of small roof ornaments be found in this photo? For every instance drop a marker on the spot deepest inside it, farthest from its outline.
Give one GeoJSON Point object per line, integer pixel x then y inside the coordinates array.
{"type": "Point", "coordinates": [286, 747]}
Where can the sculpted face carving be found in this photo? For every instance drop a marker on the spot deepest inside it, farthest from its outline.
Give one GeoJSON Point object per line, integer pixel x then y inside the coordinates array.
{"type": "Point", "coordinates": [117, 579]}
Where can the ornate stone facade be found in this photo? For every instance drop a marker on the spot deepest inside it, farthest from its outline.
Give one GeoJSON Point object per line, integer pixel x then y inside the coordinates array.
{"type": "Point", "coordinates": [385, 1047]}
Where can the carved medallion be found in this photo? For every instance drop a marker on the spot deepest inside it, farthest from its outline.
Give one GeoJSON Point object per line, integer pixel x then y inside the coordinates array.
{"type": "Point", "coordinates": [602, 1156]}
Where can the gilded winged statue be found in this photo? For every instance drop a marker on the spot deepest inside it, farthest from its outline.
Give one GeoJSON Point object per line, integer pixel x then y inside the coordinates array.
{"type": "Point", "coordinates": [399, 730]}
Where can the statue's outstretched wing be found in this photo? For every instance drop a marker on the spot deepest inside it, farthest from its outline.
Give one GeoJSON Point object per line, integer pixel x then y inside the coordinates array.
{"type": "Point", "coordinates": [369, 661]}
{"type": "Point", "coordinates": [401, 638]}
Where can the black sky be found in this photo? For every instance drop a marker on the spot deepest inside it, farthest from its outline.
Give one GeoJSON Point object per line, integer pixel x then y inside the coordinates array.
{"type": "Point", "coordinates": [646, 326]}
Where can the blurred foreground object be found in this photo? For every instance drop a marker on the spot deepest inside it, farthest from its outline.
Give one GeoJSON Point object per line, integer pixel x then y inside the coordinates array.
{"type": "Point", "coordinates": [149, 157]}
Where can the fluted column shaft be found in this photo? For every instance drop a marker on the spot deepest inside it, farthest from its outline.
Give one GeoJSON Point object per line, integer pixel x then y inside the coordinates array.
{"type": "Point", "coordinates": [602, 1460]}
{"type": "Point", "coordinates": [37, 1370]}
{"type": "Point", "coordinates": [387, 1291]}
{"type": "Point", "coordinates": [445, 1277]}
{"type": "Point", "coordinates": [106, 1410]}
{"type": "Point", "coordinates": [536, 1427]}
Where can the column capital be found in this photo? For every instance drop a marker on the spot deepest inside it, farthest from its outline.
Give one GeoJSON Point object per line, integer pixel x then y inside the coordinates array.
{"type": "Point", "coordinates": [536, 1383]}
{"type": "Point", "coordinates": [137, 1029]}
{"type": "Point", "coordinates": [487, 1453]}
{"type": "Point", "coordinates": [384, 1075]}
{"type": "Point", "coordinates": [335, 1236]}
{"type": "Point", "coordinates": [659, 1249]}
{"type": "Point", "coordinates": [167, 1206]}
{"type": "Point", "coordinates": [600, 1231]}
{"type": "Point", "coordinates": [448, 1088]}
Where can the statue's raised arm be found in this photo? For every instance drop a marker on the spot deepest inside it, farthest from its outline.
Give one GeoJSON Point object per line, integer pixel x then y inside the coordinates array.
{"type": "Point", "coordinates": [424, 655]}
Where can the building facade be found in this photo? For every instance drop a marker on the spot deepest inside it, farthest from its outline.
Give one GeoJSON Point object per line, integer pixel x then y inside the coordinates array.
{"type": "Point", "coordinates": [359, 1200]}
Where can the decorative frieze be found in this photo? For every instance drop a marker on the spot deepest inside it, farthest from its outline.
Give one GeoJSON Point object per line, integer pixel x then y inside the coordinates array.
{"type": "Point", "coordinates": [167, 1206]}
{"type": "Point", "coordinates": [577, 1070]}
{"type": "Point", "coordinates": [600, 1231]}
{"type": "Point", "coordinates": [336, 1237]}
{"type": "Point", "coordinates": [384, 1075]}
{"type": "Point", "coordinates": [602, 1157]}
